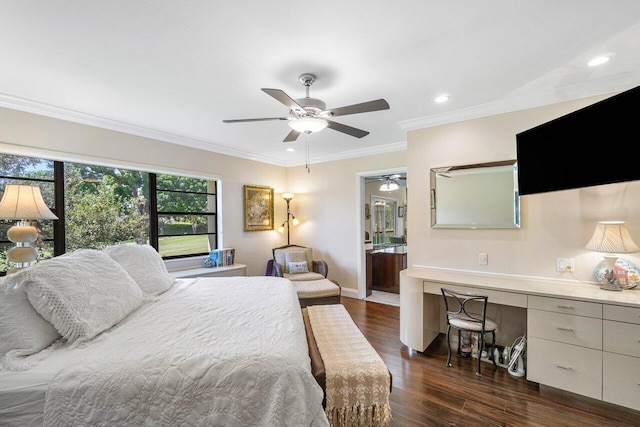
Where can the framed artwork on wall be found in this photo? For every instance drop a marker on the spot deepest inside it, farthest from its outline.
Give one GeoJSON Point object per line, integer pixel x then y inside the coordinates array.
{"type": "Point", "coordinates": [258, 208]}
{"type": "Point", "coordinates": [400, 211]}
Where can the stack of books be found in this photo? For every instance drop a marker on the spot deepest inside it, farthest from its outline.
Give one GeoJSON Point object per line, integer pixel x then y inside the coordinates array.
{"type": "Point", "coordinates": [222, 257]}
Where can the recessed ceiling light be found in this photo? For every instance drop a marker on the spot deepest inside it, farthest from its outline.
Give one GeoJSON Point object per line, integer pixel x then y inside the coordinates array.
{"type": "Point", "coordinates": [598, 61]}
{"type": "Point", "coordinates": [442, 98]}
{"type": "Point", "coordinates": [291, 149]}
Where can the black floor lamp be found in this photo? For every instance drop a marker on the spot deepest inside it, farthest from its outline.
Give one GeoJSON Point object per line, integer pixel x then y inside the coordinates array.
{"type": "Point", "coordinates": [288, 197]}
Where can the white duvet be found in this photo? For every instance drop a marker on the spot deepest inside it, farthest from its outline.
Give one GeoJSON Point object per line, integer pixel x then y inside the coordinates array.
{"type": "Point", "coordinates": [208, 352]}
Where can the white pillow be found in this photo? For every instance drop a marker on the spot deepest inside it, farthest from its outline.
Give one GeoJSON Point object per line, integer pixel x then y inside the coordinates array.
{"type": "Point", "coordinates": [81, 293]}
{"type": "Point", "coordinates": [298, 255]}
{"type": "Point", "coordinates": [297, 267]}
{"type": "Point", "coordinates": [22, 330]}
{"type": "Point", "coordinates": [145, 265]}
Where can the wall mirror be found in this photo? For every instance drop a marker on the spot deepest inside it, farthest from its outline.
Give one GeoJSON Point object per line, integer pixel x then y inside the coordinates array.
{"type": "Point", "coordinates": [483, 195]}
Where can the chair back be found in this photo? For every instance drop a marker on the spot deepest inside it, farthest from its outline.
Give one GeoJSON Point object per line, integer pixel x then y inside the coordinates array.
{"type": "Point", "coordinates": [292, 253]}
{"type": "Point", "coordinates": [458, 305]}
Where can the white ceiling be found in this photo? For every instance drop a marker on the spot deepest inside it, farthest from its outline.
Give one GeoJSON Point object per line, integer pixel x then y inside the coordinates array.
{"type": "Point", "coordinates": [173, 70]}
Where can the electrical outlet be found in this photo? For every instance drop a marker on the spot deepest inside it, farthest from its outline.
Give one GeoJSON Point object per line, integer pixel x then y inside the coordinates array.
{"type": "Point", "coordinates": [483, 259]}
{"type": "Point", "coordinates": [565, 264]}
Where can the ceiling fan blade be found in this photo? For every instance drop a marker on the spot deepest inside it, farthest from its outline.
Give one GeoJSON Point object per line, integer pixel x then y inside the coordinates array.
{"type": "Point", "coordinates": [285, 99]}
{"type": "Point", "coordinates": [255, 120]}
{"type": "Point", "coordinates": [378, 104]}
{"type": "Point", "coordinates": [291, 136]}
{"type": "Point", "coordinates": [358, 133]}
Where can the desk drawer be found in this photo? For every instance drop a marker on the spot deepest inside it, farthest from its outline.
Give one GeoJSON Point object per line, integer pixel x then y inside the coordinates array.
{"type": "Point", "coordinates": [564, 366]}
{"type": "Point", "coordinates": [565, 328]}
{"type": "Point", "coordinates": [558, 305]}
{"type": "Point", "coordinates": [495, 297]}
{"type": "Point", "coordinates": [622, 338]}
{"type": "Point", "coordinates": [621, 380]}
{"type": "Point", "coordinates": [621, 314]}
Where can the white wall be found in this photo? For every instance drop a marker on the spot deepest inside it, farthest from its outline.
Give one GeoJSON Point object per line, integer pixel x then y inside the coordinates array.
{"type": "Point", "coordinates": [554, 225]}
{"type": "Point", "coordinates": [327, 203]}
{"type": "Point", "coordinates": [30, 134]}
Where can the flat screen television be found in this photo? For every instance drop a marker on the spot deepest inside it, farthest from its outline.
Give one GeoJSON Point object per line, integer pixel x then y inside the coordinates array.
{"type": "Point", "coordinates": [590, 146]}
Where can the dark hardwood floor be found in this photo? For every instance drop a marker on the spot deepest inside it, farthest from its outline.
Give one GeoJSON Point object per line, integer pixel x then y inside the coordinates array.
{"type": "Point", "coordinates": [426, 393]}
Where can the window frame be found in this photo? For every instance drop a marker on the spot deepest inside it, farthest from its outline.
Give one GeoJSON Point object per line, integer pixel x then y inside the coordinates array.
{"type": "Point", "coordinates": [59, 237]}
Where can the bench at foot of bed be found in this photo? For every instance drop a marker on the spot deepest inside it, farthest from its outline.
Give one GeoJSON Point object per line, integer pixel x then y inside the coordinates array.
{"type": "Point", "coordinates": [353, 376]}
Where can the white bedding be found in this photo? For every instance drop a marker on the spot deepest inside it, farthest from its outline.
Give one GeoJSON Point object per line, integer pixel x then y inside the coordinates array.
{"type": "Point", "coordinates": [210, 351]}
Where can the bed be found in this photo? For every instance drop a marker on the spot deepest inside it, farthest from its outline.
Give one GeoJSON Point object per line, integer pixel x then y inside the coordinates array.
{"type": "Point", "coordinates": [207, 351]}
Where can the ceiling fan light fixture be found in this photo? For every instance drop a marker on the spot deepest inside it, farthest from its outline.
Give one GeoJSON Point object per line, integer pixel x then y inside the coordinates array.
{"type": "Point", "coordinates": [308, 124]}
{"type": "Point", "coordinates": [389, 185]}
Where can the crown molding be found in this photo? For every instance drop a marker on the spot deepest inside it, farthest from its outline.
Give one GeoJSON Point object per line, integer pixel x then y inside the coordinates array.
{"type": "Point", "coordinates": [28, 106]}
{"type": "Point", "coordinates": [532, 100]}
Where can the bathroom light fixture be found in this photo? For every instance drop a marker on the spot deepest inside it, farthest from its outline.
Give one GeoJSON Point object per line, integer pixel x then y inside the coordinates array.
{"type": "Point", "coordinates": [612, 238]}
{"type": "Point", "coordinates": [288, 197]}
{"type": "Point", "coordinates": [308, 124]}
{"type": "Point", "coordinates": [23, 203]}
{"type": "Point", "coordinates": [389, 185]}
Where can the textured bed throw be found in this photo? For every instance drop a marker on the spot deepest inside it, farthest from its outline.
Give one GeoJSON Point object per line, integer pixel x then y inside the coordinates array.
{"type": "Point", "coordinates": [358, 381]}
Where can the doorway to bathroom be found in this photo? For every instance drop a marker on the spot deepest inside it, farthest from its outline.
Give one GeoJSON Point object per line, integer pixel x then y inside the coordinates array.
{"type": "Point", "coordinates": [383, 224]}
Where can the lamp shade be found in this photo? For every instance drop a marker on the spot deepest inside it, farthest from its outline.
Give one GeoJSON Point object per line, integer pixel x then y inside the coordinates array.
{"type": "Point", "coordinates": [24, 202]}
{"type": "Point", "coordinates": [308, 124]}
{"type": "Point", "coordinates": [612, 237]}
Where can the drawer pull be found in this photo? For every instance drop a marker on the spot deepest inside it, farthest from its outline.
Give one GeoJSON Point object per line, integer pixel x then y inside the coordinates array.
{"type": "Point", "coordinates": [566, 368]}
{"type": "Point", "coordinates": [563, 328]}
{"type": "Point", "coordinates": [565, 306]}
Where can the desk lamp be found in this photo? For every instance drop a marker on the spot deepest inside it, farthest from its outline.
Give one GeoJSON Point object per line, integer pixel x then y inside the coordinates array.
{"type": "Point", "coordinates": [612, 238]}
{"type": "Point", "coordinates": [23, 203]}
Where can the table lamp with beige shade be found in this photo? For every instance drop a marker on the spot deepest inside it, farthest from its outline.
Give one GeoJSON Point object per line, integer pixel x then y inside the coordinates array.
{"type": "Point", "coordinates": [23, 203]}
{"type": "Point", "coordinates": [614, 273]}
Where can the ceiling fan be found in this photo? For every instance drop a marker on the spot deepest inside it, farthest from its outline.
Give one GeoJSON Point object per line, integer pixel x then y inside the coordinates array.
{"type": "Point", "coordinates": [307, 115]}
{"type": "Point", "coordinates": [390, 182]}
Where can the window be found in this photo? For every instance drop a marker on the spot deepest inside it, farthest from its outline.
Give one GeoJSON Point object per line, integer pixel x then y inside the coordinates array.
{"type": "Point", "coordinates": [99, 206]}
{"type": "Point", "coordinates": [186, 215]}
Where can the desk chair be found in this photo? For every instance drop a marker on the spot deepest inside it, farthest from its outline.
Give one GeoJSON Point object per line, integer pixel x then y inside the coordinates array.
{"type": "Point", "coordinates": [457, 306]}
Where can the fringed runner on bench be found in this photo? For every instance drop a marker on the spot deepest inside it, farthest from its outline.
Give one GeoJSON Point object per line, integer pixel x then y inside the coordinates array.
{"type": "Point", "coordinates": [358, 381]}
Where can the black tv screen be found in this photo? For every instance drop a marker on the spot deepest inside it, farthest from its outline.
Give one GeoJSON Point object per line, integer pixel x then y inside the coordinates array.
{"type": "Point", "coordinates": [590, 146]}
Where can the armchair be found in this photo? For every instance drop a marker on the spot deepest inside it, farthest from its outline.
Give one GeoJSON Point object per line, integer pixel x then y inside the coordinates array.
{"type": "Point", "coordinates": [309, 277]}
{"type": "Point", "coordinates": [289, 262]}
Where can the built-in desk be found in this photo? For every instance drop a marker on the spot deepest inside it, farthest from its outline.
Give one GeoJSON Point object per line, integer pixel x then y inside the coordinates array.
{"type": "Point", "coordinates": [580, 338]}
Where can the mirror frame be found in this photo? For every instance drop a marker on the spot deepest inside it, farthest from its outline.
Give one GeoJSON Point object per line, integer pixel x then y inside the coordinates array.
{"type": "Point", "coordinates": [478, 168]}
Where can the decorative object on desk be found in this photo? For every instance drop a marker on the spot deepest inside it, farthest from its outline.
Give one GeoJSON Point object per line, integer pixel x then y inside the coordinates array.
{"type": "Point", "coordinates": [288, 197]}
{"type": "Point", "coordinates": [612, 238]}
{"type": "Point", "coordinates": [23, 203]}
{"type": "Point", "coordinates": [222, 257]}
{"type": "Point", "coordinates": [258, 208]}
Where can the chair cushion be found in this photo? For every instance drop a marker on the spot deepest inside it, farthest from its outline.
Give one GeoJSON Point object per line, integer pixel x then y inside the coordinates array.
{"type": "Point", "coordinates": [316, 288]}
{"type": "Point", "coordinates": [303, 277]}
{"type": "Point", "coordinates": [465, 323]}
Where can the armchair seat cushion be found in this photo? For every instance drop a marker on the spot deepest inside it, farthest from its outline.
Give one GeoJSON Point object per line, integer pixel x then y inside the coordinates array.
{"type": "Point", "coordinates": [303, 277]}
{"type": "Point", "coordinates": [316, 288]}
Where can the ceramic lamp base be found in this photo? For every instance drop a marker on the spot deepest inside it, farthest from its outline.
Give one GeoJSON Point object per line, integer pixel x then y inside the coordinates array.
{"type": "Point", "coordinates": [626, 275]}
